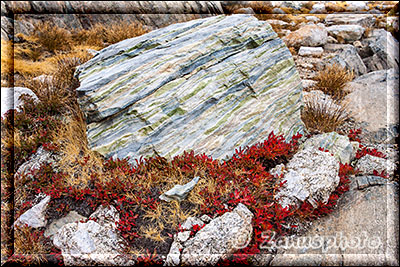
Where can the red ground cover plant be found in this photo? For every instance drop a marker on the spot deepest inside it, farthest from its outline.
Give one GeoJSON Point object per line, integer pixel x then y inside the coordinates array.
{"type": "Point", "coordinates": [354, 135]}
{"type": "Point", "coordinates": [133, 188]}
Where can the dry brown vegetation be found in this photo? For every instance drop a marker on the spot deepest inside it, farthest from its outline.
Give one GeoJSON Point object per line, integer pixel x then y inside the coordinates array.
{"type": "Point", "coordinates": [29, 246]}
{"type": "Point", "coordinates": [102, 35]}
{"type": "Point", "coordinates": [52, 38]}
{"type": "Point", "coordinates": [332, 80]}
{"type": "Point", "coordinates": [323, 116]}
{"type": "Point", "coordinates": [53, 52]}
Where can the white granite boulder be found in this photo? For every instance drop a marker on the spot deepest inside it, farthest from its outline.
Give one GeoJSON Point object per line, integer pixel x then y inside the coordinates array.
{"type": "Point", "coordinates": [346, 33]}
{"type": "Point", "coordinates": [35, 216]}
{"type": "Point", "coordinates": [339, 145]}
{"type": "Point", "coordinates": [216, 240]}
{"type": "Point", "coordinates": [92, 243]}
{"type": "Point", "coordinates": [311, 175]}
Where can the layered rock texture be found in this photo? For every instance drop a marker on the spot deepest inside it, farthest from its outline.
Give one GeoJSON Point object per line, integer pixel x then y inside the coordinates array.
{"type": "Point", "coordinates": [211, 85]}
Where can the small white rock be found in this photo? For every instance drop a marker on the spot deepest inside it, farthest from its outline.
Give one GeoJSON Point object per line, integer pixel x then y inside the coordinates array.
{"type": "Point", "coordinates": [311, 51]}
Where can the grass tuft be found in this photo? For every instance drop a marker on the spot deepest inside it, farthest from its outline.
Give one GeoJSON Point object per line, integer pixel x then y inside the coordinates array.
{"type": "Point", "coordinates": [323, 116]}
{"type": "Point", "coordinates": [332, 80]}
{"type": "Point", "coordinates": [102, 35]}
{"type": "Point", "coordinates": [51, 37]}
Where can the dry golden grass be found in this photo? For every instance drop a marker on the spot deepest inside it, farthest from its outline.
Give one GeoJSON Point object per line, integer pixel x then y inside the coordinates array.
{"type": "Point", "coordinates": [30, 245]}
{"type": "Point", "coordinates": [7, 63]}
{"type": "Point", "coordinates": [323, 116]}
{"type": "Point", "coordinates": [51, 37]}
{"type": "Point", "coordinates": [72, 140]}
{"type": "Point", "coordinates": [332, 80]}
{"type": "Point", "coordinates": [102, 35]}
{"type": "Point", "coordinates": [63, 76]}
{"type": "Point", "coordinates": [152, 233]}
{"type": "Point", "coordinates": [335, 7]}
{"type": "Point", "coordinates": [30, 68]}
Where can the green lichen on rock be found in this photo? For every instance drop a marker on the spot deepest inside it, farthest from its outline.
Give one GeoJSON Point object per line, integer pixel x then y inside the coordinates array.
{"type": "Point", "coordinates": [207, 85]}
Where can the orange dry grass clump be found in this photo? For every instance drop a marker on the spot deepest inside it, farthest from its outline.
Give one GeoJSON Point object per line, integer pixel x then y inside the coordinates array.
{"type": "Point", "coordinates": [51, 37]}
{"type": "Point", "coordinates": [332, 80]}
{"type": "Point", "coordinates": [102, 35]}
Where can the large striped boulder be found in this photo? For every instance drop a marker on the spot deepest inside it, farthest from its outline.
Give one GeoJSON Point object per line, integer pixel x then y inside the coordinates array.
{"type": "Point", "coordinates": [208, 85]}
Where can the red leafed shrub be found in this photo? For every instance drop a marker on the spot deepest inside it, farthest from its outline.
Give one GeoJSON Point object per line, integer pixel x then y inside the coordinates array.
{"type": "Point", "coordinates": [244, 178]}
{"type": "Point", "coordinates": [149, 259]}
{"type": "Point", "coordinates": [382, 174]}
{"type": "Point", "coordinates": [354, 135]}
{"type": "Point", "coordinates": [367, 151]}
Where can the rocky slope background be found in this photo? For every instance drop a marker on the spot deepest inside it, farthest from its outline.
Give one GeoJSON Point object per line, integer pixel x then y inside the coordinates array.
{"type": "Point", "coordinates": [199, 133]}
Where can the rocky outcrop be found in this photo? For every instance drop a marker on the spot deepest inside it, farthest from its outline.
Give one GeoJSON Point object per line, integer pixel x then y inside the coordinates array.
{"type": "Point", "coordinates": [346, 33]}
{"type": "Point", "coordinates": [348, 58]}
{"type": "Point", "coordinates": [368, 164]}
{"type": "Point", "coordinates": [211, 85]}
{"type": "Point", "coordinates": [374, 99]}
{"type": "Point", "coordinates": [385, 51]}
{"type": "Point", "coordinates": [92, 243]}
{"type": "Point", "coordinates": [56, 225]}
{"type": "Point", "coordinates": [311, 51]}
{"type": "Point", "coordinates": [311, 175]}
{"type": "Point", "coordinates": [363, 229]}
{"type": "Point", "coordinates": [364, 20]}
{"type": "Point", "coordinates": [308, 35]}
{"type": "Point", "coordinates": [179, 192]}
{"type": "Point", "coordinates": [339, 145]}
{"type": "Point", "coordinates": [41, 157]}
{"type": "Point", "coordinates": [35, 216]}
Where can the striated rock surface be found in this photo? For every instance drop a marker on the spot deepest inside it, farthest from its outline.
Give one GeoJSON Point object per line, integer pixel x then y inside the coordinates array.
{"type": "Point", "coordinates": [311, 175]}
{"type": "Point", "coordinates": [211, 85]}
{"type": "Point", "coordinates": [220, 238]}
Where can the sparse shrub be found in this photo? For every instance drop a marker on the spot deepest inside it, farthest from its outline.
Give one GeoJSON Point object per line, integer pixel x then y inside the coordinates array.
{"type": "Point", "coordinates": [261, 7]}
{"type": "Point", "coordinates": [27, 129]}
{"type": "Point", "coordinates": [32, 248]}
{"type": "Point", "coordinates": [63, 76]}
{"type": "Point", "coordinates": [52, 37]}
{"type": "Point", "coordinates": [332, 80]}
{"type": "Point", "coordinates": [335, 7]}
{"type": "Point", "coordinates": [323, 116]}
